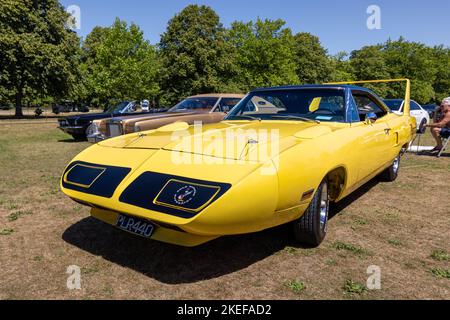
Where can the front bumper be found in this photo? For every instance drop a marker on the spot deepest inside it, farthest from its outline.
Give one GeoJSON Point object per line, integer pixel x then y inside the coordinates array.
{"type": "Point", "coordinates": [248, 206]}
{"type": "Point", "coordinates": [96, 138]}
{"type": "Point", "coordinates": [73, 129]}
{"type": "Point", "coordinates": [161, 233]}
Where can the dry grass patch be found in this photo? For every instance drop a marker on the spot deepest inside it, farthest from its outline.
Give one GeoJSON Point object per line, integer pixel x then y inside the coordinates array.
{"type": "Point", "coordinates": [385, 224]}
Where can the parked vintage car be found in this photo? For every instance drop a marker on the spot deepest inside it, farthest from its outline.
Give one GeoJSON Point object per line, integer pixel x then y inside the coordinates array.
{"type": "Point", "coordinates": [77, 125]}
{"type": "Point", "coordinates": [207, 108]}
{"type": "Point", "coordinates": [298, 149]}
{"type": "Point", "coordinates": [67, 106]}
{"type": "Point", "coordinates": [421, 115]}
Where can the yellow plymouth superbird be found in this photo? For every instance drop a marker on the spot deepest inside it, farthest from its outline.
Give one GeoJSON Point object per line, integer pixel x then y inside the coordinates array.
{"type": "Point", "coordinates": [280, 156]}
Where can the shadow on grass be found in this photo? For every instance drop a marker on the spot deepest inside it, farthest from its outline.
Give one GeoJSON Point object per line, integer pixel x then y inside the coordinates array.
{"type": "Point", "coordinates": [173, 264]}
{"type": "Point", "coordinates": [176, 265]}
{"type": "Point", "coordinates": [445, 154]}
{"type": "Point", "coordinates": [71, 141]}
{"type": "Point", "coordinates": [337, 208]}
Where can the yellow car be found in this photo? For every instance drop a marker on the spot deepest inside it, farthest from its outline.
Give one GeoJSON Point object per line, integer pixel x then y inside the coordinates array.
{"type": "Point", "coordinates": [280, 156]}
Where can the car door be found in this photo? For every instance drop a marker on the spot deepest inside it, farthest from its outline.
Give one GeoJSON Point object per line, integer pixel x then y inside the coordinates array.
{"type": "Point", "coordinates": [375, 138]}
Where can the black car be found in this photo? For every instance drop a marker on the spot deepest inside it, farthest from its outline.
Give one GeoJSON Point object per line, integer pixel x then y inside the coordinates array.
{"type": "Point", "coordinates": [76, 126]}
{"type": "Point", "coordinates": [431, 109]}
{"type": "Point", "coordinates": [69, 106]}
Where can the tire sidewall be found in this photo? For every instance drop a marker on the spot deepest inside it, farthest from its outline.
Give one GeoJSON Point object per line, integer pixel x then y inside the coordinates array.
{"type": "Point", "coordinates": [322, 232]}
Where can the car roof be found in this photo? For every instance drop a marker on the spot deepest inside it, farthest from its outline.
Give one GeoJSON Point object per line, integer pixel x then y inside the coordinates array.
{"type": "Point", "coordinates": [218, 95]}
{"type": "Point", "coordinates": [315, 86]}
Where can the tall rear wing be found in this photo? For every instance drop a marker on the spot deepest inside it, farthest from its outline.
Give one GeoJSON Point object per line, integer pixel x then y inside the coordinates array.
{"type": "Point", "coordinates": [407, 105]}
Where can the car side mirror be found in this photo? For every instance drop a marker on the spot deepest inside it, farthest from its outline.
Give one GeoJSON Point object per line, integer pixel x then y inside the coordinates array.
{"type": "Point", "coordinates": [371, 117]}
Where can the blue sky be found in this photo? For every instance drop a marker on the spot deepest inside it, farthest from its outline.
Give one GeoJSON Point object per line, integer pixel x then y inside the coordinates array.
{"type": "Point", "coordinates": [341, 25]}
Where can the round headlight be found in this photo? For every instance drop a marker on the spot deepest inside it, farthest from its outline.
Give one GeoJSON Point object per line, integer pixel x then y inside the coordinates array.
{"type": "Point", "coordinates": [92, 130]}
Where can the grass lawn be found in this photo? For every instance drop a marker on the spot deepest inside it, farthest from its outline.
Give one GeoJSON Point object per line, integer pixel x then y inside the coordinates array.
{"type": "Point", "coordinates": [402, 227]}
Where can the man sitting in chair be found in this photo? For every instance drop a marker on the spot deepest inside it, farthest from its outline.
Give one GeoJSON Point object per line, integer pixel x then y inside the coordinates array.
{"type": "Point", "coordinates": [441, 128]}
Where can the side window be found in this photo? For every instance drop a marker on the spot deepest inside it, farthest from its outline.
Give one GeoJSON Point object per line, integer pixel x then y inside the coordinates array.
{"type": "Point", "coordinates": [367, 104]}
{"type": "Point", "coordinates": [414, 106]}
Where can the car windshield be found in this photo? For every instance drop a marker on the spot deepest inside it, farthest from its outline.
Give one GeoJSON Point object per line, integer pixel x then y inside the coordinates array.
{"type": "Point", "coordinates": [292, 104]}
{"type": "Point", "coordinates": [203, 103]}
{"type": "Point", "coordinates": [118, 108]}
{"type": "Point", "coordinates": [394, 105]}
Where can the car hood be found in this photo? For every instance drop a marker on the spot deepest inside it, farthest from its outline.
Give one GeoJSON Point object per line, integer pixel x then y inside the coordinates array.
{"type": "Point", "coordinates": [238, 140]}
{"type": "Point", "coordinates": [152, 116]}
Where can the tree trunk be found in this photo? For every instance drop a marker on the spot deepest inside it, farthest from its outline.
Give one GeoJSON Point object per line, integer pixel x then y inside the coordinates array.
{"type": "Point", "coordinates": [19, 97]}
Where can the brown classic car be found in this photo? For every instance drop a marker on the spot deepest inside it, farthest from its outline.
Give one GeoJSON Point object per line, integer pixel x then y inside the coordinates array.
{"type": "Point", "coordinates": [207, 108]}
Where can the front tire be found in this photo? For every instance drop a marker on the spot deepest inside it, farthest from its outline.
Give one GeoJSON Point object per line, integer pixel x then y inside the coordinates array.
{"type": "Point", "coordinates": [311, 228]}
{"type": "Point", "coordinates": [391, 173]}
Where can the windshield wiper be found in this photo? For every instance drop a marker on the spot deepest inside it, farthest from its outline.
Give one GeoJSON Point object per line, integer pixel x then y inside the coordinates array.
{"type": "Point", "coordinates": [297, 118]}
{"type": "Point", "coordinates": [247, 117]}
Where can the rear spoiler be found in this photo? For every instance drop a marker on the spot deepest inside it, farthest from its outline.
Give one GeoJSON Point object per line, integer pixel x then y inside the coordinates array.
{"type": "Point", "coordinates": [407, 105]}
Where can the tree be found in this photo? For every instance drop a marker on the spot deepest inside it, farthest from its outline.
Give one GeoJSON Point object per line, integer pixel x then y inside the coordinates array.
{"type": "Point", "coordinates": [120, 64]}
{"type": "Point", "coordinates": [37, 50]}
{"type": "Point", "coordinates": [441, 84]}
{"type": "Point", "coordinates": [414, 61]}
{"type": "Point", "coordinates": [312, 62]}
{"type": "Point", "coordinates": [368, 63]}
{"type": "Point", "coordinates": [341, 70]}
{"type": "Point", "coordinates": [195, 55]}
{"type": "Point", "coordinates": [265, 54]}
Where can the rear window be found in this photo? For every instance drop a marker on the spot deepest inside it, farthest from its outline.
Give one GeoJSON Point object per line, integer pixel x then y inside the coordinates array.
{"type": "Point", "coordinates": [196, 104]}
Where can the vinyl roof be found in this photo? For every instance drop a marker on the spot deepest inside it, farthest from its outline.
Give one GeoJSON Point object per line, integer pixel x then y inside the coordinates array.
{"type": "Point", "coordinates": [315, 86]}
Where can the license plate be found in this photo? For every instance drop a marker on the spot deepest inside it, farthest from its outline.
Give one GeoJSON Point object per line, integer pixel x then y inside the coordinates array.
{"type": "Point", "coordinates": [135, 225]}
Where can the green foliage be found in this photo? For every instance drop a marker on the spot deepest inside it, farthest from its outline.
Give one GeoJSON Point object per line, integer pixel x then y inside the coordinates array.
{"type": "Point", "coordinates": [195, 54]}
{"type": "Point", "coordinates": [440, 255]}
{"type": "Point", "coordinates": [351, 288]}
{"type": "Point", "coordinates": [41, 60]}
{"type": "Point", "coordinates": [425, 67]}
{"type": "Point", "coordinates": [120, 64]}
{"type": "Point", "coordinates": [338, 245]}
{"type": "Point", "coordinates": [16, 215]}
{"type": "Point", "coordinates": [291, 250]}
{"type": "Point", "coordinates": [6, 232]}
{"type": "Point", "coordinates": [312, 62]}
{"type": "Point", "coordinates": [441, 273]}
{"type": "Point", "coordinates": [296, 286]}
{"type": "Point", "coordinates": [265, 54]}
{"type": "Point", "coordinates": [341, 68]}
{"type": "Point", "coordinates": [395, 242]}
{"type": "Point", "coordinates": [37, 50]}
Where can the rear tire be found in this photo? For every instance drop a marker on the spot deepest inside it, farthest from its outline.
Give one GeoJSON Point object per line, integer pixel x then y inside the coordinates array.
{"type": "Point", "coordinates": [391, 173]}
{"type": "Point", "coordinates": [311, 228]}
{"type": "Point", "coordinates": [422, 129]}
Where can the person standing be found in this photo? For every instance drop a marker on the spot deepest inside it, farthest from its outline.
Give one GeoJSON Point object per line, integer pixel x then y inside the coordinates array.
{"type": "Point", "coordinates": [145, 106]}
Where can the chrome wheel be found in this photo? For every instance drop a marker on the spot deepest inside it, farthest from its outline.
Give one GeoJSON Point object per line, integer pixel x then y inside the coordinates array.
{"type": "Point", "coordinates": [324, 206]}
{"type": "Point", "coordinates": [396, 165]}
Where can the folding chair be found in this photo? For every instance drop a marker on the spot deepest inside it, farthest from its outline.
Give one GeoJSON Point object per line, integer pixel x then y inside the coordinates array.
{"type": "Point", "coordinates": [446, 141]}
{"type": "Point", "coordinates": [420, 132]}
